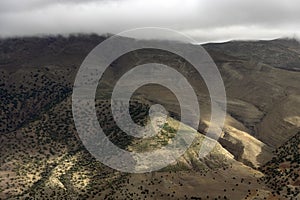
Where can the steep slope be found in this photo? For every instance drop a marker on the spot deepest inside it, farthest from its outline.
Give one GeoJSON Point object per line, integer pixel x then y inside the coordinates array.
{"type": "Point", "coordinates": [282, 173]}
{"type": "Point", "coordinates": [281, 124]}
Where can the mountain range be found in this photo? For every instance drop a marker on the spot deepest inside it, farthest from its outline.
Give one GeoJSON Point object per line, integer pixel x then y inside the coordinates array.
{"type": "Point", "coordinates": [256, 157]}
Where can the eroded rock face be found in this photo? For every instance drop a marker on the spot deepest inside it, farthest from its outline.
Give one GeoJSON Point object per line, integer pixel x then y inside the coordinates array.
{"type": "Point", "coordinates": [245, 147]}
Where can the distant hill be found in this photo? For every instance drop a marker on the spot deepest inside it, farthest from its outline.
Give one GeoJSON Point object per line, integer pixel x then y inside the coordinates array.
{"type": "Point", "coordinates": [279, 53]}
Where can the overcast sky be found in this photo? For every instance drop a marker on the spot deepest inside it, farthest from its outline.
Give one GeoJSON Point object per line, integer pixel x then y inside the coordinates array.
{"type": "Point", "coordinates": [204, 20]}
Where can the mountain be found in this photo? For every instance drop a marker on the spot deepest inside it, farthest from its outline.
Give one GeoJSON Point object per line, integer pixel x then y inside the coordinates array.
{"type": "Point", "coordinates": [42, 156]}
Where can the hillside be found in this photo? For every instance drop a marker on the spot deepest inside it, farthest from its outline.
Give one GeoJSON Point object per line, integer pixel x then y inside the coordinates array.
{"type": "Point", "coordinates": [283, 171]}
{"type": "Point", "coordinates": [45, 158]}
{"type": "Point", "coordinates": [42, 156]}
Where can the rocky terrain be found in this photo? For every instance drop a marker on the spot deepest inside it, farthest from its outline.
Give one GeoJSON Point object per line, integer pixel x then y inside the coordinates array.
{"type": "Point", "coordinates": [42, 157]}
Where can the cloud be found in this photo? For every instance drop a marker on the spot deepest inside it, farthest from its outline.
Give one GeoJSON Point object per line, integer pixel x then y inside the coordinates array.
{"type": "Point", "coordinates": [205, 20]}
{"type": "Point", "coordinates": [15, 5]}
